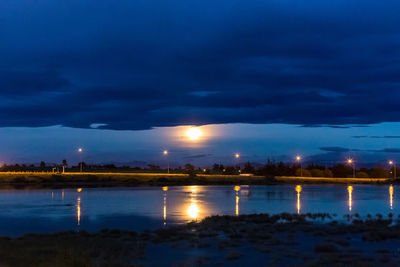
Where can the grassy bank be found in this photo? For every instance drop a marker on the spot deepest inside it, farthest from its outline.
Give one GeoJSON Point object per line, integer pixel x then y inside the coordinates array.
{"type": "Point", "coordinates": [254, 240]}
{"type": "Point", "coordinates": [331, 179]}
{"type": "Point", "coordinates": [43, 179]}
{"type": "Point", "coordinates": [123, 179]}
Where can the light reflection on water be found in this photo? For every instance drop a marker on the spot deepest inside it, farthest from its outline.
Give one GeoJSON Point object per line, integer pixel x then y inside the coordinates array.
{"type": "Point", "coordinates": [153, 207]}
{"type": "Point", "coordinates": [350, 190]}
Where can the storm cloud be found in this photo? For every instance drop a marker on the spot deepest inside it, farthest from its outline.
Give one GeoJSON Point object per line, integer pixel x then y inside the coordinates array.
{"type": "Point", "coordinates": [140, 64]}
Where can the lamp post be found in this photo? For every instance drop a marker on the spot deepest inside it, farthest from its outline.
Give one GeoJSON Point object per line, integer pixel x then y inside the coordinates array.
{"type": "Point", "coordinates": [165, 152]}
{"type": "Point", "coordinates": [80, 150]}
{"type": "Point", "coordinates": [351, 163]}
{"type": "Point", "coordinates": [392, 163]}
{"type": "Point", "coordinates": [237, 156]}
{"type": "Point", "coordinates": [298, 159]}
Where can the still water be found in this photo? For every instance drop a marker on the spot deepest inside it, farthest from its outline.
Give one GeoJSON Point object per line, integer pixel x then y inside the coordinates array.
{"type": "Point", "coordinates": [50, 210]}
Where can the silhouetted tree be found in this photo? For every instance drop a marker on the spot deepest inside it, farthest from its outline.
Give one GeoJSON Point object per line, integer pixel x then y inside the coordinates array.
{"type": "Point", "coordinates": [230, 170]}
{"type": "Point", "coordinates": [328, 173]}
{"type": "Point", "coordinates": [317, 173]}
{"type": "Point", "coordinates": [248, 168]}
{"type": "Point", "coordinates": [190, 169]}
{"type": "Point", "coordinates": [153, 167]}
{"type": "Point", "coordinates": [379, 172]}
{"type": "Point", "coordinates": [362, 175]}
{"type": "Point", "coordinates": [306, 173]}
{"type": "Point", "coordinates": [341, 170]}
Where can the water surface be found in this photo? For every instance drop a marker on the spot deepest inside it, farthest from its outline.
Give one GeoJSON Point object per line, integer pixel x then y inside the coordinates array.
{"type": "Point", "coordinates": [45, 211]}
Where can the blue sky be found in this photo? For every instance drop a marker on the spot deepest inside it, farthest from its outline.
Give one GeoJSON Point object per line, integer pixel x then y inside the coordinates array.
{"type": "Point", "coordinates": [132, 66]}
{"type": "Point", "coordinates": [219, 143]}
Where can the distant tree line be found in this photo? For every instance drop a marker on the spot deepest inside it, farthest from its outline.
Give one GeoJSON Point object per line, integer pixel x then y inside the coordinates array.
{"type": "Point", "coordinates": [269, 169]}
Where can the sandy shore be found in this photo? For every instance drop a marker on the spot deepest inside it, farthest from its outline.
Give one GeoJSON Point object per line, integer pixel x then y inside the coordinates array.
{"type": "Point", "coordinates": [254, 240]}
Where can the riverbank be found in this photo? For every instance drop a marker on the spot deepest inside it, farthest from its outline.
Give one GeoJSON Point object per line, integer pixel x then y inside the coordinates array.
{"type": "Point", "coordinates": [332, 180]}
{"type": "Point", "coordinates": [22, 179]}
{"type": "Point", "coordinates": [43, 179]}
{"type": "Point", "coordinates": [283, 239]}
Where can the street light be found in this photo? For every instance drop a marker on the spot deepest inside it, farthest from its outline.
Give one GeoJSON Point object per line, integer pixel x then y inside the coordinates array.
{"type": "Point", "coordinates": [80, 150]}
{"type": "Point", "coordinates": [237, 156]}
{"type": "Point", "coordinates": [392, 163]}
{"type": "Point", "coordinates": [165, 152]}
{"type": "Point", "coordinates": [350, 161]}
{"type": "Point", "coordinates": [298, 159]}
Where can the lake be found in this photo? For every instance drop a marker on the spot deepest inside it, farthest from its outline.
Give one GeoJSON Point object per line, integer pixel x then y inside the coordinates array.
{"type": "Point", "coordinates": [51, 210]}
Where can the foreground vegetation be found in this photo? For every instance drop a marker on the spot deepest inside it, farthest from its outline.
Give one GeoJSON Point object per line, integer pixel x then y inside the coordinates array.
{"type": "Point", "coordinates": [283, 239]}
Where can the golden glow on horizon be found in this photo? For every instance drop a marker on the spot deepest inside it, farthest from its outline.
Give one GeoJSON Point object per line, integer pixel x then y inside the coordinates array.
{"type": "Point", "coordinates": [194, 133]}
{"type": "Point", "coordinates": [350, 190]}
{"type": "Point", "coordinates": [298, 190]}
{"type": "Point", "coordinates": [192, 136]}
{"type": "Point", "coordinates": [391, 196]}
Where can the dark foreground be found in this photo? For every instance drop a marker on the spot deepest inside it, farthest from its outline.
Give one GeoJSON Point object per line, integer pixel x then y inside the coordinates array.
{"type": "Point", "coordinates": [255, 240]}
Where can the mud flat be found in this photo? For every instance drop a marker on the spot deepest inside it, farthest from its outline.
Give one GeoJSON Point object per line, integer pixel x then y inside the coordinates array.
{"type": "Point", "coordinates": [285, 239]}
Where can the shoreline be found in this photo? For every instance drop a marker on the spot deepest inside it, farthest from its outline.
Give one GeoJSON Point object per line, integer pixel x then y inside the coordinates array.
{"type": "Point", "coordinates": [46, 180]}
{"type": "Point", "coordinates": [225, 240]}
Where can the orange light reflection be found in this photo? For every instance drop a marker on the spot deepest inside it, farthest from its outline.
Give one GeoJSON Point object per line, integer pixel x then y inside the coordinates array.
{"type": "Point", "coordinates": [298, 190]}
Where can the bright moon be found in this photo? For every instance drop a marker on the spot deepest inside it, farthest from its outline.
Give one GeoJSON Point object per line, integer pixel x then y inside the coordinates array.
{"type": "Point", "coordinates": [193, 133]}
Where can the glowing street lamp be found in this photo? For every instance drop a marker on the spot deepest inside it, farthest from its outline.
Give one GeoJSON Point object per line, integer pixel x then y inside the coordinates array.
{"type": "Point", "coordinates": [237, 156]}
{"type": "Point", "coordinates": [350, 161]}
{"type": "Point", "coordinates": [392, 163]}
{"type": "Point", "coordinates": [298, 159]}
{"type": "Point", "coordinates": [80, 150]}
{"type": "Point", "coordinates": [165, 152]}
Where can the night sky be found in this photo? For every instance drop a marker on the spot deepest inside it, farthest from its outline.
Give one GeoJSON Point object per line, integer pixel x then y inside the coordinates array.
{"type": "Point", "coordinates": [266, 79]}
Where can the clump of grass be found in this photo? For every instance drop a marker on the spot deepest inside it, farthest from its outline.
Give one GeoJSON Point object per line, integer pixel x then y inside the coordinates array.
{"type": "Point", "coordinates": [325, 248]}
{"type": "Point", "coordinates": [233, 255]}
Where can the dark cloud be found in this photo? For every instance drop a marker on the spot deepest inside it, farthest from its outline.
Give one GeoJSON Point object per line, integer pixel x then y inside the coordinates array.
{"type": "Point", "coordinates": [335, 149]}
{"type": "Point", "coordinates": [377, 136]}
{"type": "Point", "coordinates": [197, 156]}
{"type": "Point", "coordinates": [140, 64]}
{"type": "Point", "coordinates": [342, 149]}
